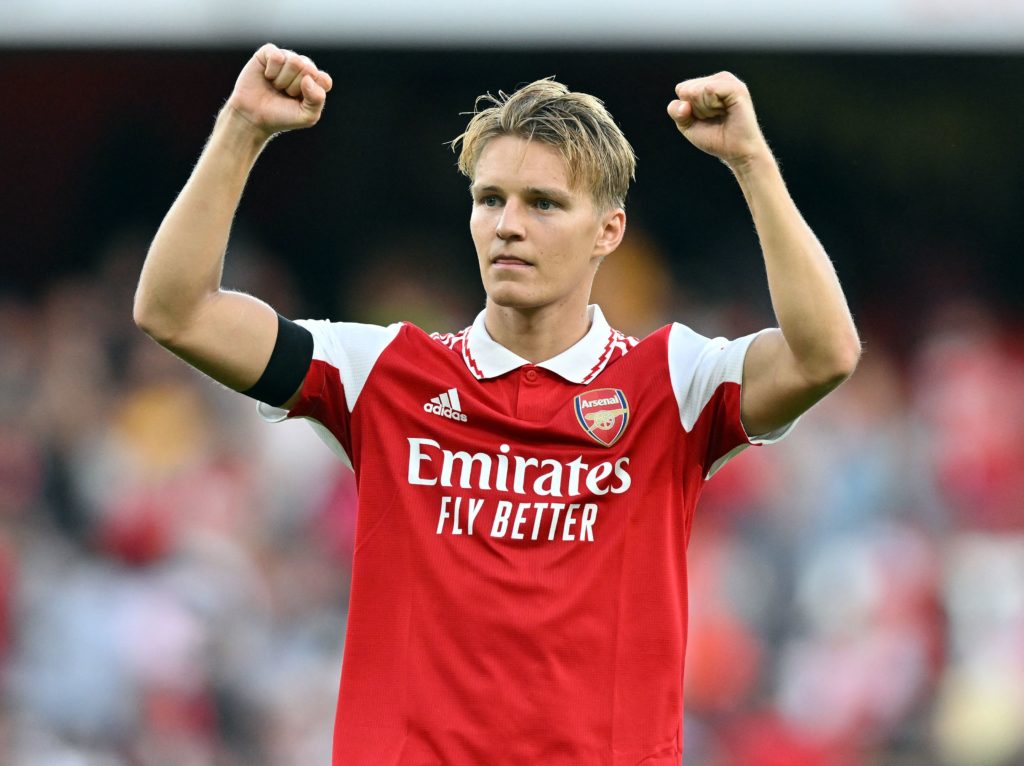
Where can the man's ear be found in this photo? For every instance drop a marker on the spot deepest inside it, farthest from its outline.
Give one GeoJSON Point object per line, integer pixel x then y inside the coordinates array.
{"type": "Point", "coordinates": [613, 227]}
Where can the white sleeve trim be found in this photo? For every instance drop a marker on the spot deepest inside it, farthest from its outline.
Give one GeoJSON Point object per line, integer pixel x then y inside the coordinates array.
{"type": "Point", "coordinates": [697, 367]}
{"type": "Point", "coordinates": [270, 413]}
{"type": "Point", "coordinates": [353, 349]}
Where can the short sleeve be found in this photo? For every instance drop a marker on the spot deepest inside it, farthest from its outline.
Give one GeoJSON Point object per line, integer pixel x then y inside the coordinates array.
{"type": "Point", "coordinates": [344, 354]}
{"type": "Point", "coordinates": [707, 375]}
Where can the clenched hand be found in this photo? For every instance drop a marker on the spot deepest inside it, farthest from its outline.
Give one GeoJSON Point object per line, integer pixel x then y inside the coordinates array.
{"type": "Point", "coordinates": [279, 90]}
{"type": "Point", "coordinates": [716, 114]}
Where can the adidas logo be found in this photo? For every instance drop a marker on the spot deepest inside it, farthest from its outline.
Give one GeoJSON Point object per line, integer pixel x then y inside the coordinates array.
{"type": "Point", "coordinates": [447, 405]}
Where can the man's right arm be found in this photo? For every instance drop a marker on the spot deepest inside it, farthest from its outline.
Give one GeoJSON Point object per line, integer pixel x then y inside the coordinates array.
{"type": "Point", "coordinates": [179, 301]}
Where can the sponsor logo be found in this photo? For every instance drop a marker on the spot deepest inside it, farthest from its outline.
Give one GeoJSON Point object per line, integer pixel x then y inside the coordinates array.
{"type": "Point", "coordinates": [430, 465]}
{"type": "Point", "coordinates": [447, 405]}
{"type": "Point", "coordinates": [603, 413]}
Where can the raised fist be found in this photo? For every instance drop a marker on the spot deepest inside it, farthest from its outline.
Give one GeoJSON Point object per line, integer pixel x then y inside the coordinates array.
{"type": "Point", "coordinates": [716, 114]}
{"type": "Point", "coordinates": [280, 90]}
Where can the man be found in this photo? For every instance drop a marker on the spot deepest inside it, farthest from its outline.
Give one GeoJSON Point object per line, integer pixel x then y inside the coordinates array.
{"type": "Point", "coordinates": [526, 485]}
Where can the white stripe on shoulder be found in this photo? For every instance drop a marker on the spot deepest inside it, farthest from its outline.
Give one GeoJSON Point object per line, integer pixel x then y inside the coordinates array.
{"type": "Point", "coordinates": [352, 348]}
{"type": "Point", "coordinates": [698, 366]}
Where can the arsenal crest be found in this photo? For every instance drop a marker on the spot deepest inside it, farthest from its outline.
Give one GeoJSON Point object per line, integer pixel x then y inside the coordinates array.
{"type": "Point", "coordinates": [603, 413]}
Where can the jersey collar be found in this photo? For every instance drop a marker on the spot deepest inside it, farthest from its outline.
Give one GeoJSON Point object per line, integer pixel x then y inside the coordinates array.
{"type": "Point", "coordinates": [486, 358]}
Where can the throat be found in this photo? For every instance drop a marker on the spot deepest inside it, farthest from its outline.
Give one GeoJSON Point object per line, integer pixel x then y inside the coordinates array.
{"type": "Point", "coordinates": [537, 334]}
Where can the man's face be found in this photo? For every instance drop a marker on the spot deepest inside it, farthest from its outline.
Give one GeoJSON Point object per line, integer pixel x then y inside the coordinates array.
{"type": "Point", "coordinates": [538, 241]}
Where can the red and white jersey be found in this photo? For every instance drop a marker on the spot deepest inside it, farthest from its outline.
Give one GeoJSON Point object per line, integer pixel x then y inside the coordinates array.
{"type": "Point", "coordinates": [519, 578]}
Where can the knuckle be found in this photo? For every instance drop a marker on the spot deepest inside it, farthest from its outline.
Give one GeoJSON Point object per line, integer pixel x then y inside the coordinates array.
{"type": "Point", "coordinates": [736, 81]}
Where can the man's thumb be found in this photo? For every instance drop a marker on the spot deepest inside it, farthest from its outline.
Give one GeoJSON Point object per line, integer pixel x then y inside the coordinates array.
{"type": "Point", "coordinates": [313, 96]}
{"type": "Point", "coordinates": [681, 113]}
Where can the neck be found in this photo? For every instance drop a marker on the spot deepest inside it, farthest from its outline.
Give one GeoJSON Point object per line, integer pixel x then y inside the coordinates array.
{"type": "Point", "coordinates": [536, 334]}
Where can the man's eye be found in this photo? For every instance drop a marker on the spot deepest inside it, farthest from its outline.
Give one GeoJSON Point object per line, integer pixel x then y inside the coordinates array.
{"type": "Point", "coordinates": [489, 201]}
{"type": "Point", "coordinates": [545, 204]}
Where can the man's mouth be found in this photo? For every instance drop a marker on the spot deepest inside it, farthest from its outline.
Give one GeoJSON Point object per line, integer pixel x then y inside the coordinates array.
{"type": "Point", "coordinates": [509, 260]}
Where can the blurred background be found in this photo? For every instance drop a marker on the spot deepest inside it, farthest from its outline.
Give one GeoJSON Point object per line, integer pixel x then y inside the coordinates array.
{"type": "Point", "coordinates": [174, 573]}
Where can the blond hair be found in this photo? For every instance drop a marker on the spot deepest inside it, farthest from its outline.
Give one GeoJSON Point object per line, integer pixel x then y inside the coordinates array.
{"type": "Point", "coordinates": [597, 156]}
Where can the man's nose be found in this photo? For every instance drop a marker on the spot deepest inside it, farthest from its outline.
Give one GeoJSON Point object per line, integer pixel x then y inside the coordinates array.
{"type": "Point", "coordinates": [510, 224]}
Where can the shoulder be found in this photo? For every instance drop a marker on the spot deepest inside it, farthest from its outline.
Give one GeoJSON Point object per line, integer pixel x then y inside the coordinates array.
{"type": "Point", "coordinates": [355, 339]}
{"type": "Point", "coordinates": [619, 344]}
{"type": "Point", "coordinates": [675, 340]}
{"type": "Point", "coordinates": [335, 340]}
{"type": "Point", "coordinates": [454, 341]}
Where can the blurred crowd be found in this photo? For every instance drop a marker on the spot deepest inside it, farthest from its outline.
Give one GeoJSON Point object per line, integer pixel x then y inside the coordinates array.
{"type": "Point", "coordinates": [174, 572]}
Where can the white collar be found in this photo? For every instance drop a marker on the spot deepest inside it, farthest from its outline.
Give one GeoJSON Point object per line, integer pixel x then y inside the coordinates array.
{"type": "Point", "coordinates": [579, 363]}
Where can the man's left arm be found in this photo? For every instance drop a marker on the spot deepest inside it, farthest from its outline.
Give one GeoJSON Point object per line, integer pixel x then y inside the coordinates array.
{"type": "Point", "coordinates": [816, 348]}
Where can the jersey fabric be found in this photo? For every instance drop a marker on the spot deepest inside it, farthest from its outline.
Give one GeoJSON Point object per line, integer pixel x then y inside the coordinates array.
{"type": "Point", "coordinates": [519, 589]}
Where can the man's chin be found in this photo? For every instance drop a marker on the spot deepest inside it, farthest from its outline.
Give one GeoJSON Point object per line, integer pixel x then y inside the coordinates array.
{"type": "Point", "coordinates": [512, 298]}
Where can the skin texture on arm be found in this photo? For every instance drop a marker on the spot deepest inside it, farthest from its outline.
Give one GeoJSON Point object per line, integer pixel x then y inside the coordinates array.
{"type": "Point", "coordinates": [816, 348]}
{"type": "Point", "coordinates": [179, 301]}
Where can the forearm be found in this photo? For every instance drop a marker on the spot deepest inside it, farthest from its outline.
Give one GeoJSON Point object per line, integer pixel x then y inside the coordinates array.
{"type": "Point", "coordinates": [809, 303]}
{"type": "Point", "coordinates": [185, 260]}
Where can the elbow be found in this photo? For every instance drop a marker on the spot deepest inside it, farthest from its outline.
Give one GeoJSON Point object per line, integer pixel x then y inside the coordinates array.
{"type": "Point", "coordinates": [840, 363]}
{"type": "Point", "coordinates": [848, 360]}
{"type": "Point", "coordinates": [142, 314]}
{"type": "Point", "coordinates": [153, 322]}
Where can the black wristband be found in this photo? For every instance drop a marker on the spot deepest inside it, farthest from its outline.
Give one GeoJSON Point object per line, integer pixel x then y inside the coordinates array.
{"type": "Point", "coordinates": [288, 364]}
